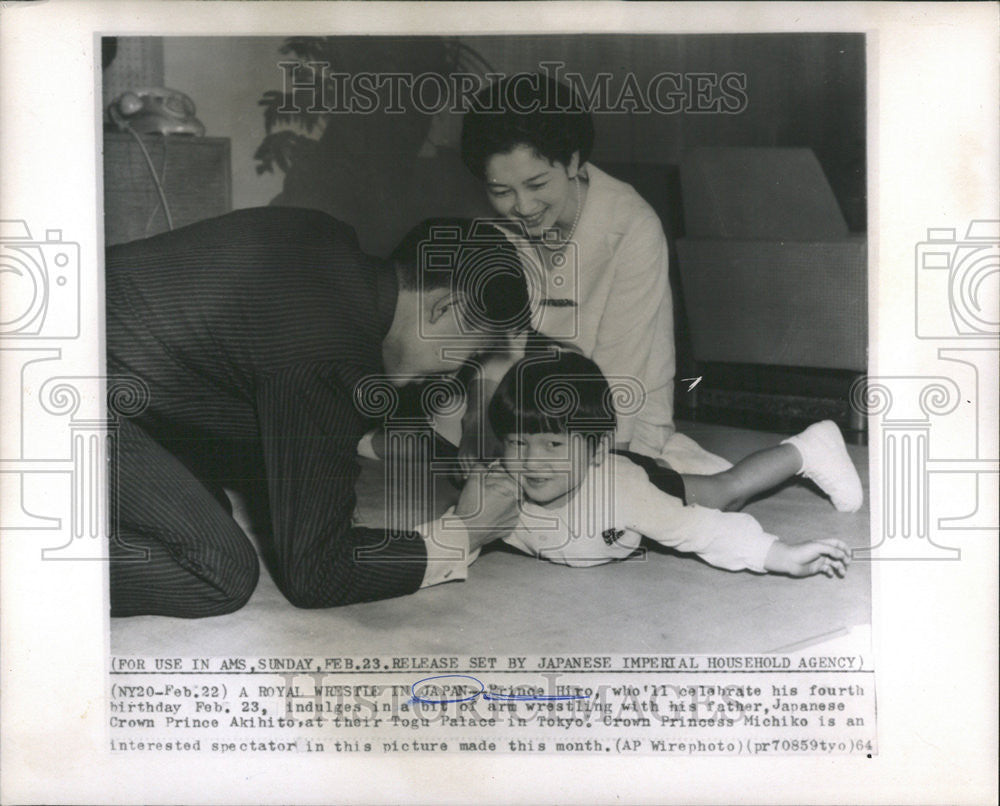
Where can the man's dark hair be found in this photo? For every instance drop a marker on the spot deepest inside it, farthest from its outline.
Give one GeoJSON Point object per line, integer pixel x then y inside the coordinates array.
{"type": "Point", "coordinates": [472, 258]}
{"type": "Point", "coordinates": [526, 109]}
{"type": "Point", "coordinates": [553, 390]}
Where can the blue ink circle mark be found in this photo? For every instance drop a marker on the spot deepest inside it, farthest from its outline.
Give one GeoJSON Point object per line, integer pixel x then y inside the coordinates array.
{"type": "Point", "coordinates": [487, 695]}
{"type": "Point", "coordinates": [418, 698]}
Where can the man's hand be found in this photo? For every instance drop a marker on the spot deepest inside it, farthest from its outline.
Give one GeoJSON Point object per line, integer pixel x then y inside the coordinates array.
{"type": "Point", "coordinates": [479, 445]}
{"type": "Point", "coordinates": [488, 505]}
{"type": "Point", "coordinates": [829, 557]}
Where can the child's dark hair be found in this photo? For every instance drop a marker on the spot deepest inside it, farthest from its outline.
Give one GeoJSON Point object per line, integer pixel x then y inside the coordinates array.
{"type": "Point", "coordinates": [553, 390]}
{"type": "Point", "coordinates": [526, 109]}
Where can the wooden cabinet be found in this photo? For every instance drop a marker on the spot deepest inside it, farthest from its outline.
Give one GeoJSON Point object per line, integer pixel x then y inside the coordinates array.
{"type": "Point", "coordinates": [194, 173]}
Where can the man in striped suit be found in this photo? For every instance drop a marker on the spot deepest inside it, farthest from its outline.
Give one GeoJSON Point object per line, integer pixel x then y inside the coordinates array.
{"type": "Point", "coordinates": [252, 332]}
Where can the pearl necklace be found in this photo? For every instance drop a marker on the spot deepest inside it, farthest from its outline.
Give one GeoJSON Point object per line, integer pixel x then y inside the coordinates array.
{"type": "Point", "coordinates": [576, 220]}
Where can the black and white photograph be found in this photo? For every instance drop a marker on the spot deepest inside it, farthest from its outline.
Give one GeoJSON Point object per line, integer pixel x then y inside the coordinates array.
{"type": "Point", "coordinates": [690, 225]}
{"type": "Point", "coordinates": [509, 402]}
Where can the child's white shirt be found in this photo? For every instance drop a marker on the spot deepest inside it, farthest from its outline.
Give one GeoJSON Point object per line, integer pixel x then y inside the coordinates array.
{"type": "Point", "coordinates": [605, 518]}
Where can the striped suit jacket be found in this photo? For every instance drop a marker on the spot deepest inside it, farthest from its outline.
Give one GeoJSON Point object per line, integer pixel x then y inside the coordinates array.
{"type": "Point", "coordinates": [251, 331]}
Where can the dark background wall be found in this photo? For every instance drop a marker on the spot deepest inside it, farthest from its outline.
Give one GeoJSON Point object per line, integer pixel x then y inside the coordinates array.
{"type": "Point", "coordinates": [380, 172]}
{"type": "Point", "coordinates": [803, 90]}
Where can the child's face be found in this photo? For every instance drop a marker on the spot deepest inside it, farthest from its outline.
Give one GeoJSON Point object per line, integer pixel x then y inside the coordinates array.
{"type": "Point", "coordinates": [548, 467]}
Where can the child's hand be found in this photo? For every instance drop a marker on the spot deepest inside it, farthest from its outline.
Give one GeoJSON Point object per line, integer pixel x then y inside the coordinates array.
{"type": "Point", "coordinates": [830, 557]}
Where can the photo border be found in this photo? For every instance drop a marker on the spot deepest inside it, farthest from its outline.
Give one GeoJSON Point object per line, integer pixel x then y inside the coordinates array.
{"type": "Point", "coordinates": [934, 653]}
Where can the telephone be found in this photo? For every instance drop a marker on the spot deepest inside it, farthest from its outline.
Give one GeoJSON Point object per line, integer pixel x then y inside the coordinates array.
{"type": "Point", "coordinates": [155, 110]}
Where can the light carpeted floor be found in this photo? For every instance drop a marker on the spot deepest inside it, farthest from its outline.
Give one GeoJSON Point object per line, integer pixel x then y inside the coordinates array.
{"type": "Point", "coordinates": [513, 604]}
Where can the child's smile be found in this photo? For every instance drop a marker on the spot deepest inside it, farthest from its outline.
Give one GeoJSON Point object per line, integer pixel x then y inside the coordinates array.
{"type": "Point", "coordinates": [548, 467]}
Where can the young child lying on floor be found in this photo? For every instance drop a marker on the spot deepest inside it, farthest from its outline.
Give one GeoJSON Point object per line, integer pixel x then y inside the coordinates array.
{"type": "Point", "coordinates": [586, 504]}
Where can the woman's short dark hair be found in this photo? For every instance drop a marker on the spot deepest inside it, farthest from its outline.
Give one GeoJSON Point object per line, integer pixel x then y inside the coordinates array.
{"type": "Point", "coordinates": [471, 257]}
{"type": "Point", "coordinates": [526, 109]}
{"type": "Point", "coordinates": [553, 390]}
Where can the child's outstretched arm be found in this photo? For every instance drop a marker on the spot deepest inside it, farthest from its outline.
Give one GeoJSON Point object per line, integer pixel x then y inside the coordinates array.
{"type": "Point", "coordinates": [830, 557]}
{"type": "Point", "coordinates": [730, 540]}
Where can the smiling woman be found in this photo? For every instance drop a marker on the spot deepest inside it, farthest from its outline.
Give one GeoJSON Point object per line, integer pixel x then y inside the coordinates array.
{"type": "Point", "coordinates": [525, 187]}
{"type": "Point", "coordinates": [601, 278]}
{"type": "Point", "coordinates": [530, 156]}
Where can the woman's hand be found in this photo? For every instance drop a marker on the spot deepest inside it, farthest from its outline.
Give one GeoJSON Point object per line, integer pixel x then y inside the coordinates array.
{"type": "Point", "coordinates": [829, 557]}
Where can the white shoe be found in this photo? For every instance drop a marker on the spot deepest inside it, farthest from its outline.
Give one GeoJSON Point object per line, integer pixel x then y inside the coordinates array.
{"type": "Point", "coordinates": [825, 461]}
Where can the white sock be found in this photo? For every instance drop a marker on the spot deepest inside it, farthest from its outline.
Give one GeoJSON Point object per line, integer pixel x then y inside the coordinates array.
{"type": "Point", "coordinates": [825, 461]}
